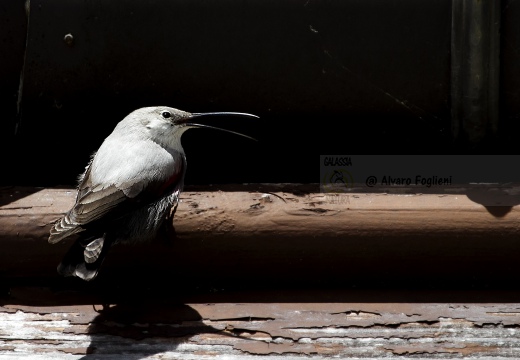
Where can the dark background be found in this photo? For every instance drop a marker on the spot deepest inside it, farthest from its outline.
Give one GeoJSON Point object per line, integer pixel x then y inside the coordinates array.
{"type": "Point", "coordinates": [325, 77]}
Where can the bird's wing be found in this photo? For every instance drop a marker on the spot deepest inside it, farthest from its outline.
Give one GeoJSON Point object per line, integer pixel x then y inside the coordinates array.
{"type": "Point", "coordinates": [94, 202]}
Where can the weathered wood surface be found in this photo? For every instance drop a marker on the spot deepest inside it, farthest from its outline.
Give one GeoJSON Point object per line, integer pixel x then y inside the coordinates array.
{"type": "Point", "coordinates": [265, 233]}
{"type": "Point", "coordinates": [178, 299]}
{"type": "Point", "coordinates": [258, 329]}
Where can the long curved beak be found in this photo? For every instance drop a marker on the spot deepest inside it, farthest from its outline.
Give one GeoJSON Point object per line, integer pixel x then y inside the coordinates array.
{"type": "Point", "coordinates": [194, 116]}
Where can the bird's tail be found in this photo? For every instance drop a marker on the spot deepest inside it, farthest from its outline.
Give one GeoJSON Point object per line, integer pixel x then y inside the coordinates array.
{"type": "Point", "coordinates": [84, 258]}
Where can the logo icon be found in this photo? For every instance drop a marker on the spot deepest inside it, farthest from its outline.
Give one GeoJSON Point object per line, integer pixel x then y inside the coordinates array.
{"type": "Point", "coordinates": [337, 180]}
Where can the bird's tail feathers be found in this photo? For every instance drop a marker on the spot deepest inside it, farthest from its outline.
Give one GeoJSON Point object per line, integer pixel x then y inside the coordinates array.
{"type": "Point", "coordinates": [84, 261]}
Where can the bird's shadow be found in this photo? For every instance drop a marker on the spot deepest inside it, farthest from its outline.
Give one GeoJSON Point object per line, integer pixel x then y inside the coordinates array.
{"type": "Point", "coordinates": [136, 331]}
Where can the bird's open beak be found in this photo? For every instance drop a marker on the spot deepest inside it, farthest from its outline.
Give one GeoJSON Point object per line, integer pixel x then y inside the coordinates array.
{"type": "Point", "coordinates": [192, 121]}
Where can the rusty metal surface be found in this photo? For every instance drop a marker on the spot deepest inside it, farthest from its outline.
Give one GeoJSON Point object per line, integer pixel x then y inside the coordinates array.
{"type": "Point", "coordinates": [255, 330]}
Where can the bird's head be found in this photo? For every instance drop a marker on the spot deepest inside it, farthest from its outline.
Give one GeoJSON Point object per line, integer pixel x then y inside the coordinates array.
{"type": "Point", "coordinates": [165, 125]}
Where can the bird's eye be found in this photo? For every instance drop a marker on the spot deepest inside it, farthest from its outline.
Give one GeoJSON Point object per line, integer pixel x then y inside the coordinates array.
{"type": "Point", "coordinates": [166, 114]}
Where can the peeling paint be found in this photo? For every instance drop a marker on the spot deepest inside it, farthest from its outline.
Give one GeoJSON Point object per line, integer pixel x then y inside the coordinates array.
{"type": "Point", "coordinates": [68, 326]}
{"type": "Point", "coordinates": [345, 330]}
{"type": "Point", "coordinates": [269, 348]}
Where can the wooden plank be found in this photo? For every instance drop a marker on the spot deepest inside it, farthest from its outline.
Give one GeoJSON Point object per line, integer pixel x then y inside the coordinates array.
{"type": "Point", "coordinates": [259, 329]}
{"type": "Point", "coordinates": [262, 232]}
{"type": "Point", "coordinates": [168, 301]}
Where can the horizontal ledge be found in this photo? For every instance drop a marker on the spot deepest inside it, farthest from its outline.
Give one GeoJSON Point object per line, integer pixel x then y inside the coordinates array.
{"type": "Point", "coordinates": [252, 330]}
{"type": "Point", "coordinates": [294, 211]}
{"type": "Point", "coordinates": [267, 227]}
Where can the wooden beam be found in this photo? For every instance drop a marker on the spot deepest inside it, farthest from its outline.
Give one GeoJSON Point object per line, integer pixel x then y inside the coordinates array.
{"type": "Point", "coordinates": [267, 233]}
{"type": "Point", "coordinates": [258, 330]}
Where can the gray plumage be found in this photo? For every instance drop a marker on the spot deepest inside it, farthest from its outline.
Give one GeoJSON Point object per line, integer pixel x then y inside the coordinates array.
{"type": "Point", "coordinates": [129, 187]}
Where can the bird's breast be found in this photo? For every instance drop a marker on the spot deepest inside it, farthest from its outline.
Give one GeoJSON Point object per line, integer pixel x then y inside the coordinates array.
{"type": "Point", "coordinates": [174, 174]}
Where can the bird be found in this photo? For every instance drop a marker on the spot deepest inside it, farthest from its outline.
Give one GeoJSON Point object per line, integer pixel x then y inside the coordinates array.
{"type": "Point", "coordinates": [131, 184]}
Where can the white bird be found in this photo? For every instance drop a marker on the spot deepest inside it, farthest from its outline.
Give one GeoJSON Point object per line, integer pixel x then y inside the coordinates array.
{"type": "Point", "coordinates": [129, 187]}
